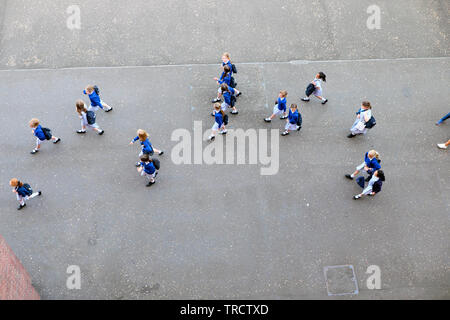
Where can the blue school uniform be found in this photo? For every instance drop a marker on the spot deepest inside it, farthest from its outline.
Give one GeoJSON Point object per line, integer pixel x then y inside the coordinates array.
{"type": "Point", "coordinates": [281, 104]}
{"type": "Point", "coordinates": [147, 147]}
{"type": "Point", "coordinates": [149, 168]}
{"type": "Point", "coordinates": [373, 164]}
{"type": "Point", "coordinates": [293, 116]}
{"type": "Point", "coordinates": [219, 119]}
{"type": "Point", "coordinates": [227, 95]}
{"type": "Point", "coordinates": [21, 191]}
{"type": "Point", "coordinates": [226, 80]}
{"type": "Point", "coordinates": [95, 99]}
{"type": "Point", "coordinates": [230, 65]}
{"type": "Point", "coordinates": [39, 133]}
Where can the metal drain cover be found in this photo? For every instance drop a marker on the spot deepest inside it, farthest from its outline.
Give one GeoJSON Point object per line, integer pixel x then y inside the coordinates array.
{"type": "Point", "coordinates": [341, 280]}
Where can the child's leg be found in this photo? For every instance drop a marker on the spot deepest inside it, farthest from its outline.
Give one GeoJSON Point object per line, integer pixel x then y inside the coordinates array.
{"type": "Point", "coordinates": [34, 195]}
{"type": "Point", "coordinates": [38, 144]}
{"type": "Point", "coordinates": [21, 200]}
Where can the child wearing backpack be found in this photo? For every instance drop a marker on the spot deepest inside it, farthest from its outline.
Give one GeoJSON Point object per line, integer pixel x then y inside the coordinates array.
{"type": "Point", "coordinates": [88, 119]}
{"type": "Point", "coordinates": [41, 134]}
{"type": "Point", "coordinates": [147, 147]}
{"type": "Point", "coordinates": [364, 120]}
{"type": "Point", "coordinates": [294, 120]}
{"type": "Point", "coordinates": [148, 169]}
{"type": "Point", "coordinates": [221, 120]}
{"type": "Point", "coordinates": [96, 103]}
{"type": "Point", "coordinates": [315, 87]}
{"type": "Point", "coordinates": [229, 95]}
{"type": "Point", "coordinates": [23, 192]}
{"type": "Point", "coordinates": [226, 77]}
{"type": "Point", "coordinates": [372, 163]}
{"type": "Point", "coordinates": [280, 107]}
{"type": "Point", "coordinates": [374, 187]}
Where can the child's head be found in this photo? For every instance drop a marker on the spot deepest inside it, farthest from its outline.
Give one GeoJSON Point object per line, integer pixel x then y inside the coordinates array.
{"type": "Point", "coordinates": [226, 68]}
{"type": "Point", "coordinates": [89, 89]}
{"type": "Point", "coordinates": [81, 107]}
{"type": "Point", "coordinates": [33, 123]}
{"type": "Point", "coordinates": [142, 134]}
{"type": "Point", "coordinates": [217, 106]}
{"type": "Point", "coordinates": [294, 107]}
{"type": "Point", "coordinates": [366, 105]}
{"type": "Point", "coordinates": [224, 87]}
{"type": "Point", "coordinates": [14, 183]}
{"type": "Point", "coordinates": [322, 76]}
{"type": "Point", "coordinates": [380, 175]}
{"type": "Point", "coordinates": [145, 158]}
{"type": "Point", "coordinates": [226, 57]}
{"type": "Point", "coordinates": [374, 154]}
{"type": "Point", "coordinates": [283, 94]}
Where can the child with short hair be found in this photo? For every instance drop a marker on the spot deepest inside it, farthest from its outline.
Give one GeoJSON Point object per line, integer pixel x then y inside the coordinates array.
{"type": "Point", "coordinates": [147, 169]}
{"type": "Point", "coordinates": [219, 124]}
{"type": "Point", "coordinates": [147, 147]}
{"type": "Point", "coordinates": [41, 134]}
{"type": "Point", "coordinates": [315, 87]}
{"type": "Point", "coordinates": [280, 107]}
{"type": "Point", "coordinates": [23, 192]}
{"type": "Point", "coordinates": [88, 118]}
{"type": "Point", "coordinates": [294, 120]}
{"type": "Point", "coordinates": [374, 187]}
{"type": "Point", "coordinates": [96, 103]}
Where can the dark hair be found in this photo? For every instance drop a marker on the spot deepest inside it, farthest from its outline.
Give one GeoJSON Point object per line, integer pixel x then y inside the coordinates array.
{"type": "Point", "coordinates": [294, 106]}
{"type": "Point", "coordinates": [224, 87]}
{"type": "Point", "coordinates": [323, 76]}
{"type": "Point", "coordinates": [381, 175]}
{"type": "Point", "coordinates": [226, 70]}
{"type": "Point", "coordinates": [145, 158]}
{"type": "Point", "coordinates": [367, 104]}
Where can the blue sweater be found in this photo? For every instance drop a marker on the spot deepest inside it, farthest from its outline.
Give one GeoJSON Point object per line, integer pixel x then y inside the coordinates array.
{"type": "Point", "coordinates": [39, 133]}
{"type": "Point", "coordinates": [227, 96]}
{"type": "Point", "coordinates": [281, 104]}
{"type": "Point", "coordinates": [147, 147]}
{"type": "Point", "coordinates": [219, 119]}
{"type": "Point", "coordinates": [95, 99]}
{"type": "Point", "coordinates": [373, 164]}
{"type": "Point", "coordinates": [148, 167]}
{"type": "Point", "coordinates": [226, 80]}
{"type": "Point", "coordinates": [230, 65]}
{"type": "Point", "coordinates": [293, 117]}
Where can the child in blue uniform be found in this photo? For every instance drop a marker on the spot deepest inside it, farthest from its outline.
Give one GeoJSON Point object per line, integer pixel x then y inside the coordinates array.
{"type": "Point", "coordinates": [87, 122]}
{"type": "Point", "coordinates": [147, 147]}
{"type": "Point", "coordinates": [147, 169]}
{"type": "Point", "coordinates": [41, 134]}
{"type": "Point", "coordinates": [370, 165]}
{"type": "Point", "coordinates": [96, 102]}
{"type": "Point", "coordinates": [280, 107]}
{"type": "Point", "coordinates": [293, 122]}
{"type": "Point", "coordinates": [226, 77]}
{"type": "Point", "coordinates": [23, 192]}
{"type": "Point", "coordinates": [219, 124]}
{"type": "Point", "coordinates": [229, 95]}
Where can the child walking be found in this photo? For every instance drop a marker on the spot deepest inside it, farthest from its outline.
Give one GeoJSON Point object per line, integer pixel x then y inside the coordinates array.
{"type": "Point", "coordinates": [23, 192]}
{"type": "Point", "coordinates": [220, 122]}
{"type": "Point", "coordinates": [374, 187]}
{"type": "Point", "coordinates": [229, 95]}
{"type": "Point", "coordinates": [370, 165]}
{"type": "Point", "coordinates": [147, 147]}
{"type": "Point", "coordinates": [227, 79]}
{"type": "Point", "coordinates": [294, 120]}
{"type": "Point", "coordinates": [280, 107]}
{"type": "Point", "coordinates": [88, 119]}
{"type": "Point", "coordinates": [96, 103]}
{"type": "Point", "coordinates": [364, 120]}
{"type": "Point", "coordinates": [41, 134]}
{"type": "Point", "coordinates": [315, 87]}
{"type": "Point", "coordinates": [147, 169]}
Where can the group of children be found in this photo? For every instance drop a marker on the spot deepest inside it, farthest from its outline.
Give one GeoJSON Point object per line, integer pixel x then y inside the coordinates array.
{"type": "Point", "coordinates": [146, 166]}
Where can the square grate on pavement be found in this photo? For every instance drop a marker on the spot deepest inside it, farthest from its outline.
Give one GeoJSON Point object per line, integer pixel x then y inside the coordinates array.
{"type": "Point", "coordinates": [341, 280]}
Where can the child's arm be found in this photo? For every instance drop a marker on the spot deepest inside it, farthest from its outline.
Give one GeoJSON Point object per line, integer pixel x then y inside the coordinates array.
{"type": "Point", "coordinates": [134, 140]}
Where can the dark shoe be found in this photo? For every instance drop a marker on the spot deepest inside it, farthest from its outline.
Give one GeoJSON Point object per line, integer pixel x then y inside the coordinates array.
{"type": "Point", "coordinates": [34, 151]}
{"type": "Point", "coordinates": [324, 102]}
{"type": "Point", "coordinates": [351, 135]}
{"type": "Point", "coordinates": [239, 94]}
{"type": "Point", "coordinates": [57, 140]}
{"type": "Point", "coordinates": [306, 99]}
{"type": "Point", "coordinates": [235, 112]}
{"type": "Point", "coordinates": [138, 164]}
{"type": "Point", "coordinates": [21, 206]}
{"type": "Point", "coordinates": [299, 128]}
{"type": "Point", "coordinates": [101, 132]}
{"type": "Point", "coordinates": [216, 100]}
{"type": "Point", "coordinates": [150, 184]}
{"type": "Point", "coordinates": [161, 153]}
{"type": "Point", "coordinates": [356, 197]}
{"type": "Point", "coordinates": [267, 120]}
{"type": "Point", "coordinates": [39, 193]}
{"type": "Point", "coordinates": [81, 131]}
{"type": "Point", "coordinates": [285, 133]}
{"type": "Point", "coordinates": [349, 176]}
{"type": "Point", "coordinates": [283, 117]}
{"type": "Point", "coordinates": [109, 110]}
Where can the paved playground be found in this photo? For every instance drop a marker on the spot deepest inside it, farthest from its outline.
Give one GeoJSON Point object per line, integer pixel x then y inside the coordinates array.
{"type": "Point", "coordinates": [226, 231]}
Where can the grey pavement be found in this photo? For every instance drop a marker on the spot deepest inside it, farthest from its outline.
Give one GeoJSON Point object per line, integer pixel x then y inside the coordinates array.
{"type": "Point", "coordinates": [225, 231]}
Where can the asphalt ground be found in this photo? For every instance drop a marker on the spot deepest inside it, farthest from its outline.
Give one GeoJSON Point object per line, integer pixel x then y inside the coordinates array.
{"type": "Point", "coordinates": [226, 231]}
